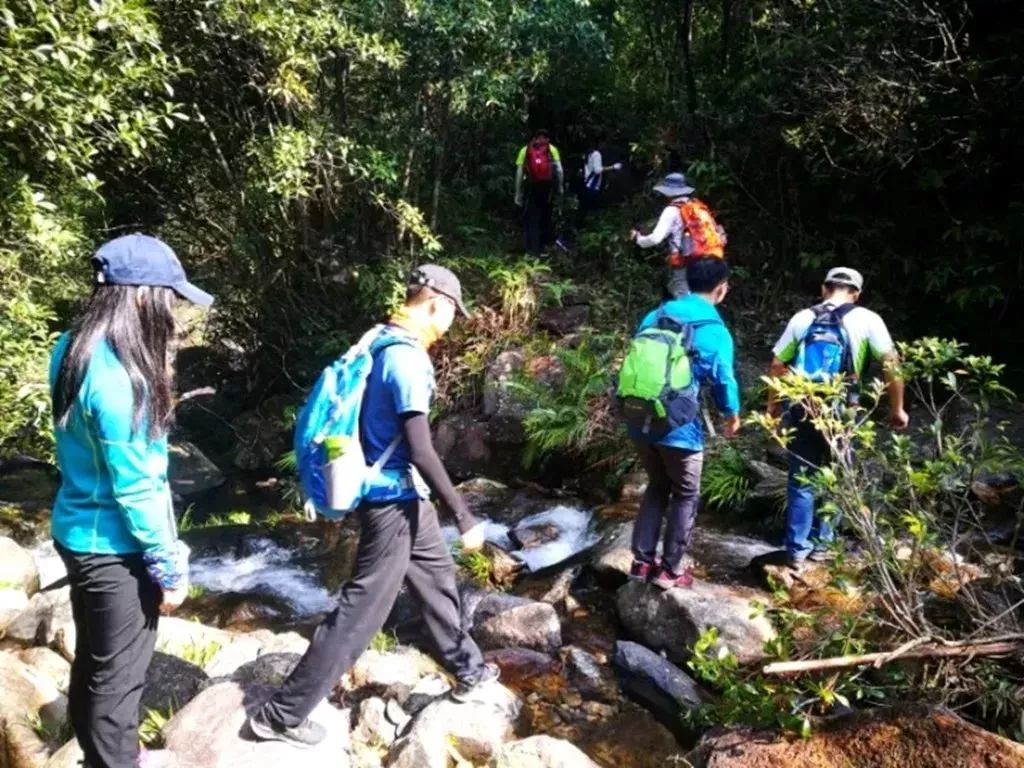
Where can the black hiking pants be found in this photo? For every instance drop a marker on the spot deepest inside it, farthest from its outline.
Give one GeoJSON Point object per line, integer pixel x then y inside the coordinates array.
{"type": "Point", "coordinates": [672, 496]}
{"type": "Point", "coordinates": [538, 216]}
{"type": "Point", "coordinates": [115, 607]}
{"type": "Point", "coordinates": [398, 542]}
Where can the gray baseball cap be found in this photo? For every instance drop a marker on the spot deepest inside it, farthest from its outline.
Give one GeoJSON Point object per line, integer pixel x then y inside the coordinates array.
{"type": "Point", "coordinates": [442, 280]}
{"type": "Point", "coordinates": [845, 276]}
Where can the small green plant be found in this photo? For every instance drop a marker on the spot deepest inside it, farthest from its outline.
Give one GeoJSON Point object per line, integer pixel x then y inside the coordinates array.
{"type": "Point", "coordinates": [151, 727]}
{"type": "Point", "coordinates": [195, 591]}
{"type": "Point", "coordinates": [54, 734]}
{"type": "Point", "coordinates": [200, 654]}
{"type": "Point", "coordinates": [725, 484]}
{"type": "Point", "coordinates": [475, 564]}
{"type": "Point", "coordinates": [384, 642]}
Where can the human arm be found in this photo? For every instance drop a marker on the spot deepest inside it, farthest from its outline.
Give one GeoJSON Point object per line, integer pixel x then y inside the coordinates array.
{"type": "Point", "coordinates": [776, 370]}
{"type": "Point", "coordinates": [519, 185]}
{"type": "Point", "coordinates": [898, 417]}
{"type": "Point", "coordinates": [661, 231]}
{"type": "Point", "coordinates": [416, 430]}
{"type": "Point", "coordinates": [717, 344]}
{"type": "Point", "coordinates": [137, 468]}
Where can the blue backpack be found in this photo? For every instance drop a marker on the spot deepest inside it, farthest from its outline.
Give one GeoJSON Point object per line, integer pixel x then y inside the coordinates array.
{"type": "Point", "coordinates": [329, 420]}
{"type": "Point", "coordinates": [825, 350]}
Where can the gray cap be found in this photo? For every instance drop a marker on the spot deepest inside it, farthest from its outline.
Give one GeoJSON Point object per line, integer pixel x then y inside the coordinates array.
{"type": "Point", "coordinates": [845, 276]}
{"type": "Point", "coordinates": [674, 185]}
{"type": "Point", "coordinates": [443, 281]}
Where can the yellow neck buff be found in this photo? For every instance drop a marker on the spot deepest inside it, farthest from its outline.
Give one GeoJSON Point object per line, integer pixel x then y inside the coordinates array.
{"type": "Point", "coordinates": [417, 325]}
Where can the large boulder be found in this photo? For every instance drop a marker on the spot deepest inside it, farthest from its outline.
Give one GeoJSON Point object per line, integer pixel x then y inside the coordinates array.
{"type": "Point", "coordinates": [613, 556]}
{"type": "Point", "coordinates": [211, 732]}
{"type": "Point", "coordinates": [915, 736]}
{"type": "Point", "coordinates": [541, 752]}
{"type": "Point", "coordinates": [190, 472]}
{"type": "Point", "coordinates": [672, 620]}
{"type": "Point", "coordinates": [171, 683]}
{"type": "Point", "coordinates": [17, 568]}
{"type": "Point", "coordinates": [264, 435]}
{"type": "Point", "coordinates": [469, 446]}
{"type": "Point", "coordinates": [380, 670]}
{"type": "Point", "coordinates": [474, 730]}
{"type": "Point", "coordinates": [529, 624]}
{"type": "Point", "coordinates": [48, 664]}
{"type": "Point", "coordinates": [46, 621]}
{"type": "Point", "coordinates": [219, 652]}
{"type": "Point", "coordinates": [30, 706]}
{"type": "Point", "coordinates": [588, 676]}
{"type": "Point", "coordinates": [12, 603]}
{"type": "Point", "coordinates": [658, 685]}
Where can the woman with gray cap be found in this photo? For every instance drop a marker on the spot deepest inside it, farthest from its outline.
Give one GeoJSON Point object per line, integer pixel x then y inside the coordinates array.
{"type": "Point", "coordinates": [688, 228]}
{"type": "Point", "coordinates": [113, 524]}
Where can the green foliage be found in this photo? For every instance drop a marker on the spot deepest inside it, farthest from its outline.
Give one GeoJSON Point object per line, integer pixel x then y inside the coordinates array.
{"type": "Point", "coordinates": [200, 654]}
{"type": "Point", "coordinates": [724, 481]}
{"type": "Point", "coordinates": [384, 642]}
{"type": "Point", "coordinates": [151, 727]}
{"type": "Point", "coordinates": [55, 736]}
{"type": "Point", "coordinates": [476, 565]}
{"type": "Point", "coordinates": [914, 510]}
{"type": "Point", "coordinates": [574, 414]}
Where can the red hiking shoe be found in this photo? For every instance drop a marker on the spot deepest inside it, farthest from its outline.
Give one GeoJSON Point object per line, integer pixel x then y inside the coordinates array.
{"type": "Point", "coordinates": [668, 580]}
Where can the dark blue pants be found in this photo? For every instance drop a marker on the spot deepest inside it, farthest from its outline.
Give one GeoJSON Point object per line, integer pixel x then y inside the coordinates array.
{"type": "Point", "coordinates": [805, 529]}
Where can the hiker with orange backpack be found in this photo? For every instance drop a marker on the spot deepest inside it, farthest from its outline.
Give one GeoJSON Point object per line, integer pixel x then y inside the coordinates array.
{"type": "Point", "coordinates": [539, 181]}
{"type": "Point", "coordinates": [689, 228]}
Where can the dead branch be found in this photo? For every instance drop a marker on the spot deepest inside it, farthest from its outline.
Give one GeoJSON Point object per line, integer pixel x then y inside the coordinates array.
{"type": "Point", "coordinates": [912, 650]}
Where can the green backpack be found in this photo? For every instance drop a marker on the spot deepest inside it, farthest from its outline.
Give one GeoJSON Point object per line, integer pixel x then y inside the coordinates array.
{"type": "Point", "coordinates": [657, 391]}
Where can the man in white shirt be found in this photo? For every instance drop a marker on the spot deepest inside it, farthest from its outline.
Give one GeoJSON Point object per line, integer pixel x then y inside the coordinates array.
{"type": "Point", "coordinates": [593, 180]}
{"type": "Point", "coordinates": [807, 535]}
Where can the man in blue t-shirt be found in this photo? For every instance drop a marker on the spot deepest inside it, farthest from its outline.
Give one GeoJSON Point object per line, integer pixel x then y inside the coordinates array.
{"type": "Point", "coordinates": [400, 537]}
{"type": "Point", "coordinates": [674, 462]}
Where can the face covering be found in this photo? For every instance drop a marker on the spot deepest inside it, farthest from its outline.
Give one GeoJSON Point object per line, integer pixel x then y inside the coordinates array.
{"type": "Point", "coordinates": [421, 328]}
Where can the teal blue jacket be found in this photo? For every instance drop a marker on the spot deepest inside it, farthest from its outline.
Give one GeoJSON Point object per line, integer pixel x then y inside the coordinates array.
{"type": "Point", "coordinates": [713, 365]}
{"type": "Point", "coordinates": [114, 497]}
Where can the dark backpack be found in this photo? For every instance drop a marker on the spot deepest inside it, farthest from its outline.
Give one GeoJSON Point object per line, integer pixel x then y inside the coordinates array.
{"type": "Point", "coordinates": [539, 162]}
{"type": "Point", "coordinates": [825, 350]}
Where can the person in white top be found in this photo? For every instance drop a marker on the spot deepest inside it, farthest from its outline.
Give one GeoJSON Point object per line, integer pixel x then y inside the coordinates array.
{"type": "Point", "coordinates": [589, 196]}
{"type": "Point", "coordinates": [807, 535]}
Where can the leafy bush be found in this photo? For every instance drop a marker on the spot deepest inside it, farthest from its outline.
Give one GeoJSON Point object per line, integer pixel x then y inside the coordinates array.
{"type": "Point", "coordinates": [912, 510]}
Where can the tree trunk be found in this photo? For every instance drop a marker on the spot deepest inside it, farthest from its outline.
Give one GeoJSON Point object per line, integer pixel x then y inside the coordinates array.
{"type": "Point", "coordinates": [439, 155]}
{"type": "Point", "coordinates": [686, 36]}
{"type": "Point", "coordinates": [726, 34]}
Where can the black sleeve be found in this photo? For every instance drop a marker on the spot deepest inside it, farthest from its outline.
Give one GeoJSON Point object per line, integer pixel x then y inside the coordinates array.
{"type": "Point", "coordinates": [425, 459]}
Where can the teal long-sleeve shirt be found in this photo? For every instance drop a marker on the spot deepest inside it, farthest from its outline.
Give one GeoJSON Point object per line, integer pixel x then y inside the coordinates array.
{"type": "Point", "coordinates": [114, 497]}
{"type": "Point", "coordinates": [713, 364]}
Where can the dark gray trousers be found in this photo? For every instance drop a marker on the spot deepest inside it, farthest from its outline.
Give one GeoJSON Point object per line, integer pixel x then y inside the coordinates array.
{"type": "Point", "coordinates": [398, 542]}
{"type": "Point", "coordinates": [115, 607]}
{"type": "Point", "coordinates": [672, 496]}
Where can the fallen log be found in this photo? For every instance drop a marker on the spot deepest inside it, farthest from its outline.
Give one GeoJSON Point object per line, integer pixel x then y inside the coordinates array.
{"type": "Point", "coordinates": [910, 651]}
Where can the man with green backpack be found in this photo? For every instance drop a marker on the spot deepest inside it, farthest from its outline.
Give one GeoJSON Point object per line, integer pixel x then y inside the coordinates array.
{"type": "Point", "coordinates": [680, 346]}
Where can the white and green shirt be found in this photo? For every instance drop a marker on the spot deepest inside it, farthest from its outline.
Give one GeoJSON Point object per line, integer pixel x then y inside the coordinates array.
{"type": "Point", "coordinates": [868, 336]}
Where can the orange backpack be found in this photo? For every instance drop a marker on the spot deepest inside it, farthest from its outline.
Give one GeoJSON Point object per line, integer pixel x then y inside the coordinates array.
{"type": "Point", "coordinates": [707, 238]}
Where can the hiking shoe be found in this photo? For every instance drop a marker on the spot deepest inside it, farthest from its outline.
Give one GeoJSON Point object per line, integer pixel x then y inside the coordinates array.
{"type": "Point", "coordinates": [666, 579]}
{"type": "Point", "coordinates": [776, 557]}
{"type": "Point", "coordinates": [640, 571]}
{"type": "Point", "coordinates": [464, 690]}
{"type": "Point", "coordinates": [305, 734]}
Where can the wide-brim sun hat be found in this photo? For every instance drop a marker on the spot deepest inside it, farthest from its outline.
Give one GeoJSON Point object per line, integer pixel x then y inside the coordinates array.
{"type": "Point", "coordinates": [674, 185]}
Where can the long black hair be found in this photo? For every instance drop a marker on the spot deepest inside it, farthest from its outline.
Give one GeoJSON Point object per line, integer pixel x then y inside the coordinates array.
{"type": "Point", "coordinates": [138, 323]}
